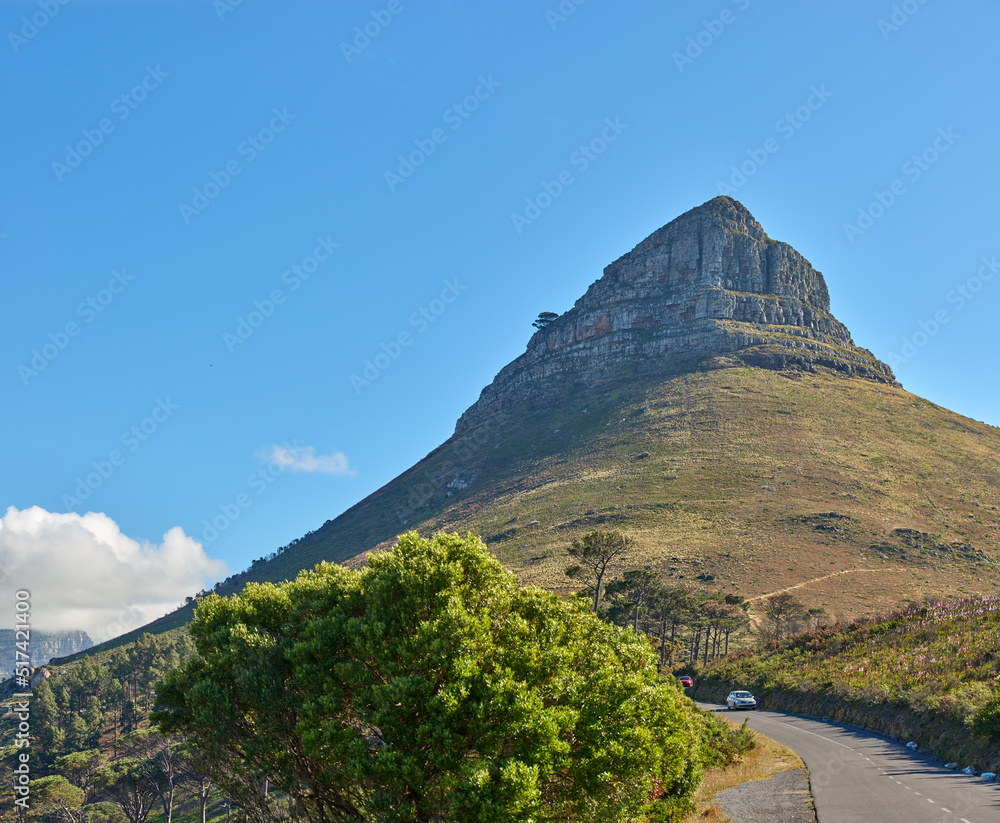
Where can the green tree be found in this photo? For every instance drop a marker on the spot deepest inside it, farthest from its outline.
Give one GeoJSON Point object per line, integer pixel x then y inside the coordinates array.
{"type": "Point", "coordinates": [130, 717]}
{"type": "Point", "coordinates": [735, 619]}
{"type": "Point", "coordinates": [125, 783]}
{"type": "Point", "coordinates": [784, 611]}
{"type": "Point", "coordinates": [544, 318]}
{"type": "Point", "coordinates": [986, 721]}
{"type": "Point", "coordinates": [817, 615]}
{"type": "Point", "coordinates": [45, 722]}
{"type": "Point", "coordinates": [104, 811]}
{"type": "Point", "coordinates": [719, 618]}
{"type": "Point", "coordinates": [86, 682]}
{"type": "Point", "coordinates": [197, 776]}
{"type": "Point", "coordinates": [674, 607]}
{"type": "Point", "coordinates": [55, 800]}
{"type": "Point", "coordinates": [77, 735]}
{"type": "Point", "coordinates": [81, 769]}
{"type": "Point", "coordinates": [93, 716]}
{"type": "Point", "coordinates": [636, 590]}
{"type": "Point", "coordinates": [429, 686]}
{"type": "Point", "coordinates": [124, 666]}
{"type": "Point", "coordinates": [163, 763]}
{"type": "Point", "coordinates": [113, 702]}
{"type": "Point", "coordinates": [146, 667]}
{"type": "Point", "coordinates": [594, 553]}
{"type": "Point", "coordinates": [63, 695]}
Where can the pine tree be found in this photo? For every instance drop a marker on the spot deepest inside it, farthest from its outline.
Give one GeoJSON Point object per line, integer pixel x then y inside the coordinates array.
{"type": "Point", "coordinates": [94, 718]}
{"type": "Point", "coordinates": [76, 735]}
{"type": "Point", "coordinates": [114, 701]}
{"type": "Point", "coordinates": [45, 722]}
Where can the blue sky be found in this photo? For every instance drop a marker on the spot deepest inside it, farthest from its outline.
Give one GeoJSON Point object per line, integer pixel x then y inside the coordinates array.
{"type": "Point", "coordinates": [213, 214]}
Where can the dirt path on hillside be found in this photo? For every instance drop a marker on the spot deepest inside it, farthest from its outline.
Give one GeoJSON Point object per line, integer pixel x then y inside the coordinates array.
{"type": "Point", "coordinates": [817, 580]}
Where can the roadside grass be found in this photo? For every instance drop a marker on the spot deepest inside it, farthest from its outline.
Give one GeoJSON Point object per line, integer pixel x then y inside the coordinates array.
{"type": "Point", "coordinates": [759, 763]}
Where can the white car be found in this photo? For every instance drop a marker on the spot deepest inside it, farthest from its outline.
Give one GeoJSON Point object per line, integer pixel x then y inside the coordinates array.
{"type": "Point", "coordinates": [741, 700]}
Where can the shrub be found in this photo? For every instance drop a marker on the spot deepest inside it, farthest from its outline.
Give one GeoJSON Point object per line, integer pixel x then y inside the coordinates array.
{"type": "Point", "coordinates": [986, 721]}
{"type": "Point", "coordinates": [428, 685]}
{"type": "Point", "coordinates": [722, 745]}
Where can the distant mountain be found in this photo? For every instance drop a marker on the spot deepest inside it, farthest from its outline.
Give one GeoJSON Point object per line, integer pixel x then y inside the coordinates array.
{"type": "Point", "coordinates": [42, 647]}
{"type": "Point", "coordinates": [701, 397]}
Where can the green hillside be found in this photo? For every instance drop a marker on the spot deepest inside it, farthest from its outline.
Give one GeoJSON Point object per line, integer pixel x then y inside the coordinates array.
{"type": "Point", "coordinates": [928, 674]}
{"type": "Point", "coordinates": [739, 479]}
{"type": "Point", "coordinates": [856, 495]}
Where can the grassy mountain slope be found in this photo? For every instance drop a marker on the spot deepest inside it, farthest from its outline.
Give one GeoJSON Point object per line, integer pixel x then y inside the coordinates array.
{"type": "Point", "coordinates": [858, 494]}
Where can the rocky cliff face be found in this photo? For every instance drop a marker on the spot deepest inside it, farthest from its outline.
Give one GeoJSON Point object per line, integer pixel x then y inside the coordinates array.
{"type": "Point", "coordinates": [708, 289]}
{"type": "Point", "coordinates": [42, 646]}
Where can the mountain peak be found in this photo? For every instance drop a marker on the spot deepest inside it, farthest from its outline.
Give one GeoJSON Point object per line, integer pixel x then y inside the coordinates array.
{"type": "Point", "coordinates": [724, 207]}
{"type": "Point", "coordinates": [709, 289]}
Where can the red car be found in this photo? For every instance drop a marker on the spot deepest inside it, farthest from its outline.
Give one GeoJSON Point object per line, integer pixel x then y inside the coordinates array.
{"type": "Point", "coordinates": [686, 681]}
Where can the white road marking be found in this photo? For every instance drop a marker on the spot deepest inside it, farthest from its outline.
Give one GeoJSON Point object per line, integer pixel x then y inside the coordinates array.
{"type": "Point", "coordinates": [806, 731]}
{"type": "Point", "coordinates": [836, 743]}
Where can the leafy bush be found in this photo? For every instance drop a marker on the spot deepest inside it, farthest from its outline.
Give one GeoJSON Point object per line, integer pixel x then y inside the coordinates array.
{"type": "Point", "coordinates": [428, 685]}
{"type": "Point", "coordinates": [986, 721]}
{"type": "Point", "coordinates": [722, 745]}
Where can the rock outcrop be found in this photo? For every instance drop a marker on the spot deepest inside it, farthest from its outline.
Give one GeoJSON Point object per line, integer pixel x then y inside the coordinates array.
{"type": "Point", "coordinates": [709, 289]}
{"type": "Point", "coordinates": [43, 646]}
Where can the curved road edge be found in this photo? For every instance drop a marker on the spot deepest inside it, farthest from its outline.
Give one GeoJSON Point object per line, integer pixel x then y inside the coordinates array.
{"type": "Point", "coordinates": [856, 775]}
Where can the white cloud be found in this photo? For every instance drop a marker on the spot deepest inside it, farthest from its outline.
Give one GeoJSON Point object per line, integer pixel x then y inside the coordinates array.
{"type": "Point", "coordinates": [83, 573]}
{"type": "Point", "coordinates": [305, 459]}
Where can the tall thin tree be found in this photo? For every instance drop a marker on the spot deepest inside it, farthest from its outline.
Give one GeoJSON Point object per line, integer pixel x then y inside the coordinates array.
{"type": "Point", "coordinates": [594, 553]}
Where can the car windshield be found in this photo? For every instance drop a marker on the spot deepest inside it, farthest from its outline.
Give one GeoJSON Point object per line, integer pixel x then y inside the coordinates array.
{"type": "Point", "coordinates": [742, 694]}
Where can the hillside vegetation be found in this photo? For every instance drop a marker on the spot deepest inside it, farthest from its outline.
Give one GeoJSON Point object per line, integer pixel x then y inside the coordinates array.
{"type": "Point", "coordinates": [338, 669]}
{"type": "Point", "coordinates": [99, 698]}
{"type": "Point", "coordinates": [928, 674]}
{"type": "Point", "coordinates": [738, 480]}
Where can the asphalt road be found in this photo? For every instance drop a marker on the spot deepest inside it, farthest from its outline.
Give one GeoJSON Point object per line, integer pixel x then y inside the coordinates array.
{"type": "Point", "coordinates": [857, 777]}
